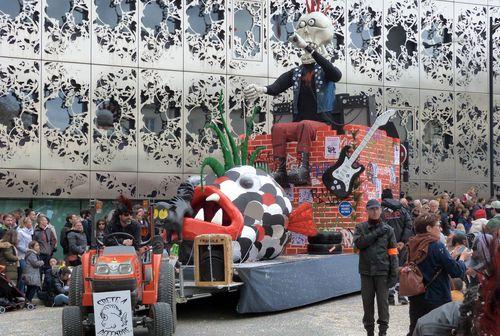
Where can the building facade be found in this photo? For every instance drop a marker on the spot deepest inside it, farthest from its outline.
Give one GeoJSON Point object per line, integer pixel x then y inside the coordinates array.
{"type": "Point", "coordinates": [160, 66]}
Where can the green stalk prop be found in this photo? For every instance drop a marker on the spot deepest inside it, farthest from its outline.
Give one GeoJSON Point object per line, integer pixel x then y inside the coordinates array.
{"type": "Point", "coordinates": [228, 159]}
{"type": "Point", "coordinates": [234, 147]}
{"type": "Point", "coordinates": [216, 166]}
{"type": "Point", "coordinates": [255, 154]}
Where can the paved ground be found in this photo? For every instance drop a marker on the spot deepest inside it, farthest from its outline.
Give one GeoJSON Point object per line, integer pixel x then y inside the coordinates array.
{"type": "Point", "coordinates": [217, 317]}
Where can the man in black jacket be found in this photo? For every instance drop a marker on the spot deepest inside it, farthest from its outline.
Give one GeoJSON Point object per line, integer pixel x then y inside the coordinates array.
{"type": "Point", "coordinates": [395, 214]}
{"type": "Point", "coordinates": [122, 222]}
{"type": "Point", "coordinates": [378, 263]}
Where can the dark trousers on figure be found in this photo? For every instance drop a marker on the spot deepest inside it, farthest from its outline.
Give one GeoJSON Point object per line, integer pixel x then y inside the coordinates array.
{"type": "Point", "coordinates": [371, 287]}
{"type": "Point", "coordinates": [304, 132]}
{"type": "Point", "coordinates": [31, 291]}
{"type": "Point", "coordinates": [418, 308]}
{"type": "Point", "coordinates": [45, 258]}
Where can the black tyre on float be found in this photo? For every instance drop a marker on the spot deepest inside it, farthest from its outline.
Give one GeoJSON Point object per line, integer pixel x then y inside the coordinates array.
{"type": "Point", "coordinates": [324, 248]}
{"type": "Point", "coordinates": [166, 289]}
{"type": "Point", "coordinates": [72, 321]}
{"type": "Point", "coordinates": [216, 269]}
{"type": "Point", "coordinates": [326, 237]}
{"type": "Point", "coordinates": [162, 324]}
{"type": "Point", "coordinates": [76, 287]}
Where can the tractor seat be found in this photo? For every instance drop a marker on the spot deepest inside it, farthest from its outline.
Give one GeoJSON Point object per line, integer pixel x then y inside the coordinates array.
{"type": "Point", "coordinates": [119, 250]}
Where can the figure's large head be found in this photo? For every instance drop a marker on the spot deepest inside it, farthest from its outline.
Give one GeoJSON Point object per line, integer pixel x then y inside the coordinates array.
{"type": "Point", "coordinates": [315, 28]}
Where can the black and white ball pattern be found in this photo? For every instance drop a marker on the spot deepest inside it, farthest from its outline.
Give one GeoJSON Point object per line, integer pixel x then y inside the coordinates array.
{"type": "Point", "coordinates": [265, 210]}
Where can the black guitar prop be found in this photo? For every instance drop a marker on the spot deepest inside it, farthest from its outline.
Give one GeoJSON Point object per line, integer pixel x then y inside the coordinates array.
{"type": "Point", "coordinates": [340, 177]}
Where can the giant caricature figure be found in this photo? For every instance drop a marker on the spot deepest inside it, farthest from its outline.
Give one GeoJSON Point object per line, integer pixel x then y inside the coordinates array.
{"type": "Point", "coordinates": [313, 93]}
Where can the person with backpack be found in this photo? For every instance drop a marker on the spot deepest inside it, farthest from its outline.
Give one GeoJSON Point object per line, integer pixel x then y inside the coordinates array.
{"type": "Point", "coordinates": [395, 214]}
{"type": "Point", "coordinates": [435, 264]}
{"type": "Point", "coordinates": [378, 263]}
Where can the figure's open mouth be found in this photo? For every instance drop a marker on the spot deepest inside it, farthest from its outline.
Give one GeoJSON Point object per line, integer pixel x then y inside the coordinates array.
{"type": "Point", "coordinates": [213, 213]}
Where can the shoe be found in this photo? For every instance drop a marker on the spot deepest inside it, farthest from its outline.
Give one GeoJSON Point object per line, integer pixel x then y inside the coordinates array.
{"type": "Point", "coordinates": [382, 333]}
{"type": "Point", "coordinates": [370, 333]}
{"type": "Point", "coordinates": [403, 300]}
{"type": "Point", "coordinates": [301, 176]}
{"type": "Point", "coordinates": [280, 176]}
{"type": "Point", "coordinates": [391, 301]}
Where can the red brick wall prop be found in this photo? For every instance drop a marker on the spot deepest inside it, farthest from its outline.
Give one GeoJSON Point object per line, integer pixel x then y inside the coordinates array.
{"type": "Point", "coordinates": [380, 158]}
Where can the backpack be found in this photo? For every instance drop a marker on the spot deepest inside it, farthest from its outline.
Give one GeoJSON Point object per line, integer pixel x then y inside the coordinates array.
{"type": "Point", "coordinates": [411, 280]}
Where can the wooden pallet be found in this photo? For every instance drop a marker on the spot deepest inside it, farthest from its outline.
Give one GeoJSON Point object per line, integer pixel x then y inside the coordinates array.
{"type": "Point", "coordinates": [211, 241]}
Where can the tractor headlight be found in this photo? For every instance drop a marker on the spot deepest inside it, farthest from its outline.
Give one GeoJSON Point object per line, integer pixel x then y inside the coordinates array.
{"type": "Point", "coordinates": [113, 268]}
{"type": "Point", "coordinates": [125, 269]}
{"type": "Point", "coordinates": [102, 269]}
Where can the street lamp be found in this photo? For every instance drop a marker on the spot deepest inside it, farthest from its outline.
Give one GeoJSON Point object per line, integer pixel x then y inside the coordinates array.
{"type": "Point", "coordinates": [493, 29]}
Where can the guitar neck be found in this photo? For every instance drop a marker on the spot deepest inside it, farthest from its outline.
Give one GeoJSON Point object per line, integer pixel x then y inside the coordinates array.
{"type": "Point", "coordinates": [363, 143]}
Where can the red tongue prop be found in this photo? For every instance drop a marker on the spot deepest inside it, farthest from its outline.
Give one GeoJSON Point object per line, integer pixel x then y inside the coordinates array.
{"type": "Point", "coordinates": [301, 220]}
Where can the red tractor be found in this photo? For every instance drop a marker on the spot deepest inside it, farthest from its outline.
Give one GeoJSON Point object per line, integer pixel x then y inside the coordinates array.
{"type": "Point", "coordinates": [148, 276]}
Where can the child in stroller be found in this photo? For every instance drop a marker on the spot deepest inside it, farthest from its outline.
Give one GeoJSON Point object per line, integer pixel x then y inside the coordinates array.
{"type": "Point", "coordinates": [10, 297]}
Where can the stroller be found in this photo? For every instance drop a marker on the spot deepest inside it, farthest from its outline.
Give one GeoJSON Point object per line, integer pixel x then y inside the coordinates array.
{"type": "Point", "coordinates": [10, 297]}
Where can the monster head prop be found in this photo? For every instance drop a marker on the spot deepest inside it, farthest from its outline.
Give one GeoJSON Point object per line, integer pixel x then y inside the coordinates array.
{"type": "Point", "coordinates": [316, 29]}
{"type": "Point", "coordinates": [236, 199]}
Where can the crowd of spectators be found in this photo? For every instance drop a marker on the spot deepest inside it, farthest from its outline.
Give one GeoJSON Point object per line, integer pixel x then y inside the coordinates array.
{"type": "Point", "coordinates": [28, 242]}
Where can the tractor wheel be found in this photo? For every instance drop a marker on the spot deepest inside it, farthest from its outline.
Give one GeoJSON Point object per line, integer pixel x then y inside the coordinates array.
{"type": "Point", "coordinates": [76, 287]}
{"type": "Point", "coordinates": [72, 321]}
{"type": "Point", "coordinates": [166, 289]}
{"type": "Point", "coordinates": [162, 324]}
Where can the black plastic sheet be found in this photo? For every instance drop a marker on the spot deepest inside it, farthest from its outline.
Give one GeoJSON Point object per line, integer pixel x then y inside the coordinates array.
{"type": "Point", "coordinates": [294, 281]}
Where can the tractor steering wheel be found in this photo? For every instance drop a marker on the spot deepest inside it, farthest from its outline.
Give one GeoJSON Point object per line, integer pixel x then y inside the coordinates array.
{"type": "Point", "coordinates": [115, 235]}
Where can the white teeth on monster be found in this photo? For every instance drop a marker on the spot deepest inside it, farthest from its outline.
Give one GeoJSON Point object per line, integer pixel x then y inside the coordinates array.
{"type": "Point", "coordinates": [217, 217]}
{"type": "Point", "coordinates": [213, 198]}
{"type": "Point", "coordinates": [200, 215]}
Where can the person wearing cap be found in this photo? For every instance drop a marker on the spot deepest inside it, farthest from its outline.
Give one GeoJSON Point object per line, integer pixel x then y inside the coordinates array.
{"type": "Point", "coordinates": [378, 263]}
{"type": "Point", "coordinates": [494, 223]}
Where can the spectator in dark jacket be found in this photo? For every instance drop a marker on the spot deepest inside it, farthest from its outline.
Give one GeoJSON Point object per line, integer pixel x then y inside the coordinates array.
{"type": "Point", "coordinates": [45, 237]}
{"type": "Point", "coordinates": [378, 262]}
{"type": "Point", "coordinates": [8, 255]}
{"type": "Point", "coordinates": [63, 236]}
{"type": "Point", "coordinates": [55, 291]}
{"type": "Point", "coordinates": [87, 225]}
{"type": "Point", "coordinates": [77, 243]}
{"type": "Point", "coordinates": [436, 265]}
{"type": "Point", "coordinates": [31, 273]}
{"type": "Point", "coordinates": [395, 214]}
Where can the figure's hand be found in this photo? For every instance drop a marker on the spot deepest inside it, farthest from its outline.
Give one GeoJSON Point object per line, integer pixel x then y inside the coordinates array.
{"type": "Point", "coordinates": [400, 245]}
{"type": "Point", "coordinates": [297, 41]}
{"type": "Point", "coordinates": [253, 91]}
{"type": "Point", "coordinates": [127, 242]}
{"type": "Point", "coordinates": [466, 254]}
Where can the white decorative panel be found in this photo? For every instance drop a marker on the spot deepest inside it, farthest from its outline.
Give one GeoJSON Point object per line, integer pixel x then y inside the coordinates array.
{"type": "Point", "coordinates": [471, 48]}
{"type": "Point", "coordinates": [482, 189]}
{"type": "Point", "coordinates": [376, 91]}
{"type": "Point", "coordinates": [114, 91]}
{"type": "Point", "coordinates": [495, 14]}
{"type": "Point", "coordinates": [159, 186]}
{"type": "Point", "coordinates": [20, 33]}
{"type": "Point", "coordinates": [247, 27]}
{"type": "Point", "coordinates": [201, 96]}
{"type": "Point", "coordinates": [432, 189]}
{"type": "Point", "coordinates": [19, 183]}
{"type": "Point", "coordinates": [66, 30]}
{"type": "Point", "coordinates": [205, 36]}
{"type": "Point", "coordinates": [66, 116]}
{"type": "Point", "coordinates": [111, 185]}
{"type": "Point", "coordinates": [401, 43]}
{"type": "Point", "coordinates": [114, 32]}
{"type": "Point", "coordinates": [19, 117]}
{"type": "Point", "coordinates": [161, 27]}
{"type": "Point", "coordinates": [436, 127]}
{"type": "Point", "coordinates": [496, 136]}
{"type": "Point", "coordinates": [66, 184]}
{"type": "Point", "coordinates": [472, 136]}
{"type": "Point", "coordinates": [240, 110]}
{"type": "Point", "coordinates": [436, 47]}
{"type": "Point", "coordinates": [406, 103]}
{"type": "Point", "coordinates": [365, 42]}
{"type": "Point", "coordinates": [160, 121]}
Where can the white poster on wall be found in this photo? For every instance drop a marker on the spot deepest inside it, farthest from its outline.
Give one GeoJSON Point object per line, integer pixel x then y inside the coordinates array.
{"type": "Point", "coordinates": [113, 313]}
{"type": "Point", "coordinates": [332, 147]}
{"type": "Point", "coordinates": [397, 154]}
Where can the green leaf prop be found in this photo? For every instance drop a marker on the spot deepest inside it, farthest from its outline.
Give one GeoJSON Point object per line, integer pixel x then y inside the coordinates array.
{"type": "Point", "coordinates": [233, 154]}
